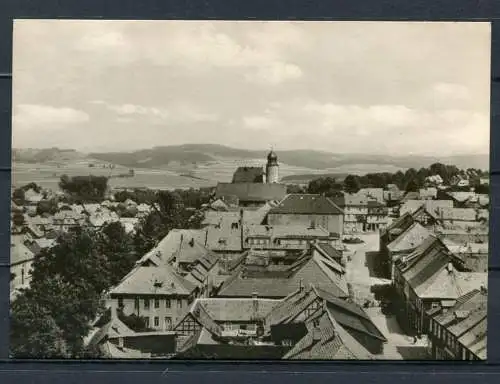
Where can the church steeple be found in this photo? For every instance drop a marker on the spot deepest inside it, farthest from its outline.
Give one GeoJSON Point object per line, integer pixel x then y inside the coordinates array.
{"type": "Point", "coordinates": [272, 167]}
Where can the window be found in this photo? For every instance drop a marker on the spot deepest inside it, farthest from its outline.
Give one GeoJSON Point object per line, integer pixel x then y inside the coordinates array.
{"type": "Point", "coordinates": [179, 303]}
{"type": "Point", "coordinates": [146, 320]}
{"type": "Point", "coordinates": [157, 303]}
{"type": "Point", "coordinates": [146, 303]}
{"type": "Point", "coordinates": [157, 321]}
{"type": "Point", "coordinates": [136, 303]}
{"type": "Point", "coordinates": [120, 302]}
{"type": "Point", "coordinates": [167, 303]}
{"type": "Point", "coordinates": [168, 323]}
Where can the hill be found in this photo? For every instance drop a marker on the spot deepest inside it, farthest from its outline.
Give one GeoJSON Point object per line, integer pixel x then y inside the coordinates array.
{"type": "Point", "coordinates": [201, 153]}
{"type": "Point", "coordinates": [201, 160]}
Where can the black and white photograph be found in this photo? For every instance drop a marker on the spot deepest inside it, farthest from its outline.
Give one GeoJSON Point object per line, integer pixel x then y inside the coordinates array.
{"type": "Point", "coordinates": [250, 190]}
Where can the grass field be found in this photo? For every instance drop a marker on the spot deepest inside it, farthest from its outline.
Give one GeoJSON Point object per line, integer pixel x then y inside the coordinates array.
{"type": "Point", "coordinates": [208, 174]}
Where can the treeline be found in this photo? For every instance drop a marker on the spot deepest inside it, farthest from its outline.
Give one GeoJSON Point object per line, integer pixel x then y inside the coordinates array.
{"type": "Point", "coordinates": [409, 181]}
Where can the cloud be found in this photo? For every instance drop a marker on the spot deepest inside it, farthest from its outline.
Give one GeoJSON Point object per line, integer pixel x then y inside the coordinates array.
{"type": "Point", "coordinates": [182, 114]}
{"type": "Point", "coordinates": [47, 117]}
{"type": "Point", "coordinates": [258, 122]}
{"type": "Point", "coordinates": [102, 40]}
{"type": "Point", "coordinates": [275, 73]}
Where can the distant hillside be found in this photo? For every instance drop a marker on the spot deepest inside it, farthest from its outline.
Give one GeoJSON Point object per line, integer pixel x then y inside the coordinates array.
{"type": "Point", "coordinates": [46, 155]}
{"type": "Point", "coordinates": [201, 153]}
{"type": "Point", "coordinates": [195, 155]}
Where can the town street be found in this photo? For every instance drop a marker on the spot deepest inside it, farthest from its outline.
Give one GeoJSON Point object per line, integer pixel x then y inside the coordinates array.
{"type": "Point", "coordinates": [362, 274]}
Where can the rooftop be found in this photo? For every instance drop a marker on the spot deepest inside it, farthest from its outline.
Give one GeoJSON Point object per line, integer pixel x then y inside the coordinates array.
{"type": "Point", "coordinates": [257, 192]}
{"type": "Point", "coordinates": [162, 280]}
{"type": "Point", "coordinates": [306, 204]}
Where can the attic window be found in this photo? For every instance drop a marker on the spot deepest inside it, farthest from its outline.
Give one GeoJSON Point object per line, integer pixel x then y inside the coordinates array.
{"type": "Point", "coordinates": [223, 241]}
{"type": "Point", "coordinates": [158, 284]}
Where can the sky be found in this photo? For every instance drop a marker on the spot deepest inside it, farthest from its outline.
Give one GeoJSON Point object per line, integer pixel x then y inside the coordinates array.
{"type": "Point", "coordinates": [345, 87]}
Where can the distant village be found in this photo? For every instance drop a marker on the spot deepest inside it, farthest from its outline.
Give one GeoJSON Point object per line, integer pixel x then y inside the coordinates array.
{"type": "Point", "coordinates": [274, 274]}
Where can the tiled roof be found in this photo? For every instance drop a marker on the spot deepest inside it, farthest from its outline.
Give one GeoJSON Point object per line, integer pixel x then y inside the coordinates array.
{"type": "Point", "coordinates": [237, 309]}
{"type": "Point", "coordinates": [258, 192]}
{"type": "Point", "coordinates": [428, 192]}
{"type": "Point", "coordinates": [457, 214]}
{"type": "Point", "coordinates": [326, 339]}
{"type": "Point", "coordinates": [189, 251]}
{"type": "Point", "coordinates": [249, 175]}
{"type": "Point", "coordinates": [311, 269]}
{"type": "Point", "coordinates": [328, 250]}
{"type": "Point", "coordinates": [170, 244]}
{"type": "Point", "coordinates": [467, 320]}
{"type": "Point", "coordinates": [376, 194]}
{"type": "Point", "coordinates": [431, 206]}
{"type": "Point", "coordinates": [256, 216]}
{"type": "Point", "coordinates": [19, 253]}
{"type": "Point", "coordinates": [347, 313]}
{"type": "Point", "coordinates": [224, 239]}
{"type": "Point", "coordinates": [160, 280]}
{"type": "Point", "coordinates": [221, 219]}
{"type": "Point", "coordinates": [284, 232]}
{"type": "Point", "coordinates": [114, 328]}
{"type": "Point", "coordinates": [410, 238]}
{"type": "Point", "coordinates": [306, 204]}
{"type": "Point", "coordinates": [400, 225]}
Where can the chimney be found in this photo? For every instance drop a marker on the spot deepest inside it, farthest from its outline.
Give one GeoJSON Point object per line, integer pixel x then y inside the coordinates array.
{"type": "Point", "coordinates": [316, 331]}
{"type": "Point", "coordinates": [449, 267]}
{"type": "Point", "coordinates": [301, 285]}
{"type": "Point", "coordinates": [114, 304]}
{"type": "Point", "coordinates": [191, 242]}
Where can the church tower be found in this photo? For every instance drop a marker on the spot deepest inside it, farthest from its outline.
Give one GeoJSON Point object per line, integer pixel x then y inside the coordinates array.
{"type": "Point", "coordinates": [272, 172]}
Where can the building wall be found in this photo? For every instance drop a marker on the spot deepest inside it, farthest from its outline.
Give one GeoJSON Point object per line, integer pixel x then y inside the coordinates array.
{"type": "Point", "coordinates": [166, 314]}
{"type": "Point", "coordinates": [332, 223]}
{"type": "Point", "coordinates": [272, 174]}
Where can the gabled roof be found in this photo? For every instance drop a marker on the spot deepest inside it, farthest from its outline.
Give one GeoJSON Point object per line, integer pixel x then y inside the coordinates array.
{"type": "Point", "coordinates": [457, 214]}
{"type": "Point", "coordinates": [316, 269]}
{"type": "Point", "coordinates": [350, 315]}
{"type": "Point", "coordinates": [114, 328]}
{"type": "Point", "coordinates": [467, 320]}
{"type": "Point", "coordinates": [328, 250]}
{"type": "Point", "coordinates": [160, 280]}
{"type": "Point", "coordinates": [237, 309]}
{"type": "Point", "coordinates": [224, 239]}
{"type": "Point", "coordinates": [306, 204]}
{"type": "Point", "coordinates": [431, 206]}
{"type": "Point", "coordinates": [410, 238]}
{"type": "Point", "coordinates": [257, 192]}
{"type": "Point", "coordinates": [326, 339]}
{"type": "Point", "coordinates": [167, 247]}
{"type": "Point", "coordinates": [19, 252]}
{"type": "Point", "coordinates": [400, 225]}
{"type": "Point", "coordinates": [430, 271]}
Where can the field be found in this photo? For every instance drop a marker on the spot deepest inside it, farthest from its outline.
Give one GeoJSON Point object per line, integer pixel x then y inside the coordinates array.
{"type": "Point", "coordinates": [198, 175]}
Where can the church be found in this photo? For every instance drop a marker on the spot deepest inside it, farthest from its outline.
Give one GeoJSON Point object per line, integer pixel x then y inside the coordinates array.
{"type": "Point", "coordinates": [257, 174]}
{"type": "Point", "coordinates": [254, 186]}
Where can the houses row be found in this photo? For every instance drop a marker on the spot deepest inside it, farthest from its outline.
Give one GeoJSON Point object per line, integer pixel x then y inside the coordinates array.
{"type": "Point", "coordinates": [437, 258]}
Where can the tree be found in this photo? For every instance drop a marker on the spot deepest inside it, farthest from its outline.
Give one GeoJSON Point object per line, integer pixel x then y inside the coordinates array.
{"type": "Point", "coordinates": [352, 184]}
{"type": "Point", "coordinates": [18, 219]}
{"type": "Point", "coordinates": [84, 188]}
{"type": "Point", "coordinates": [482, 189]}
{"type": "Point", "coordinates": [47, 206]}
{"type": "Point", "coordinates": [117, 248]}
{"type": "Point", "coordinates": [19, 196]}
{"type": "Point", "coordinates": [293, 188]}
{"type": "Point", "coordinates": [412, 186]}
{"type": "Point", "coordinates": [33, 331]}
